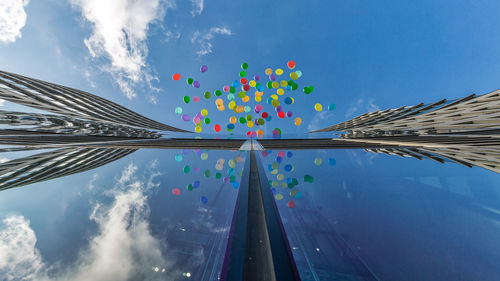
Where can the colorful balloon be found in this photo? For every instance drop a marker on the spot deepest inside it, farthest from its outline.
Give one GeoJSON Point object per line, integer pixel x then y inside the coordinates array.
{"type": "Point", "coordinates": [176, 191]}
{"type": "Point", "coordinates": [176, 77]}
{"type": "Point", "coordinates": [318, 161]}
{"type": "Point", "coordinates": [243, 73]}
{"type": "Point", "coordinates": [186, 169]}
{"type": "Point", "coordinates": [256, 77]}
{"type": "Point", "coordinates": [331, 107]}
{"type": "Point", "coordinates": [207, 95]}
{"type": "Point", "coordinates": [291, 64]}
{"type": "Point", "coordinates": [203, 68]}
{"type": "Point", "coordinates": [318, 107]}
{"type": "Point", "coordinates": [190, 81]}
{"type": "Point", "coordinates": [298, 121]}
{"type": "Point", "coordinates": [178, 110]}
{"type": "Point", "coordinates": [178, 157]}
{"type": "Point", "coordinates": [185, 117]}
{"type": "Point", "coordinates": [291, 204]}
{"type": "Point", "coordinates": [196, 99]}
{"type": "Point", "coordinates": [217, 128]}
{"type": "Point", "coordinates": [186, 99]}
{"type": "Point", "coordinates": [244, 65]}
{"type": "Point", "coordinates": [203, 200]}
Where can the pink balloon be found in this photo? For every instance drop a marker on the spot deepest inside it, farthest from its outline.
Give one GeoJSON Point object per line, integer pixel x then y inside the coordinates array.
{"type": "Point", "coordinates": [258, 108]}
{"type": "Point", "coordinates": [226, 89]}
{"type": "Point", "coordinates": [196, 98]}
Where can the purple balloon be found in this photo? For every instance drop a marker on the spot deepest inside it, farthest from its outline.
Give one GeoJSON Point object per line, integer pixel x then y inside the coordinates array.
{"type": "Point", "coordinates": [289, 114]}
{"type": "Point", "coordinates": [185, 117]}
{"type": "Point", "coordinates": [272, 77]}
{"type": "Point", "coordinates": [204, 68]}
{"type": "Point", "coordinates": [196, 84]}
{"type": "Point", "coordinates": [226, 179]}
{"type": "Point", "coordinates": [256, 77]}
{"type": "Point", "coordinates": [279, 109]}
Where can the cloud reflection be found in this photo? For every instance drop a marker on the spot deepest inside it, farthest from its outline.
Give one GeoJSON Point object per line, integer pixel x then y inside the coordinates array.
{"type": "Point", "coordinates": [123, 248]}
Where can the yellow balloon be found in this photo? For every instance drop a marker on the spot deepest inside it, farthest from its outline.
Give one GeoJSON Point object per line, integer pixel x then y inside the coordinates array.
{"type": "Point", "coordinates": [298, 121]}
{"type": "Point", "coordinates": [274, 172]}
{"type": "Point", "coordinates": [246, 98]}
{"type": "Point", "coordinates": [279, 71]}
{"type": "Point", "coordinates": [280, 177]}
{"type": "Point", "coordinates": [268, 71]}
{"type": "Point", "coordinates": [221, 107]}
{"type": "Point", "coordinates": [197, 129]}
{"type": "Point", "coordinates": [231, 104]}
{"type": "Point", "coordinates": [293, 100]}
{"type": "Point", "coordinates": [278, 196]}
{"type": "Point", "coordinates": [283, 83]}
{"type": "Point", "coordinates": [275, 103]}
{"type": "Point", "coordinates": [274, 97]}
{"type": "Point", "coordinates": [219, 101]}
{"type": "Point", "coordinates": [275, 84]}
{"type": "Point", "coordinates": [250, 124]}
{"type": "Point", "coordinates": [294, 76]}
{"type": "Point", "coordinates": [204, 112]}
{"type": "Point", "coordinates": [232, 119]}
{"type": "Point", "coordinates": [258, 99]}
{"type": "Point", "coordinates": [252, 83]}
{"type": "Point", "coordinates": [257, 93]}
{"type": "Point", "coordinates": [318, 107]}
{"type": "Point", "coordinates": [284, 185]}
{"type": "Point", "coordinates": [280, 91]}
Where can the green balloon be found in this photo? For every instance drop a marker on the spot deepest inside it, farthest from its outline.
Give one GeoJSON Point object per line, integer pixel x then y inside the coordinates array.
{"type": "Point", "coordinates": [186, 169]}
{"type": "Point", "coordinates": [207, 95]}
{"type": "Point", "coordinates": [260, 121]}
{"type": "Point", "coordinates": [249, 117]}
{"type": "Point", "coordinates": [189, 187]}
{"type": "Point", "coordinates": [243, 73]}
{"type": "Point", "coordinates": [218, 175]}
{"type": "Point", "coordinates": [186, 99]}
{"type": "Point", "coordinates": [206, 120]}
{"type": "Point", "coordinates": [308, 178]}
{"type": "Point", "coordinates": [232, 90]}
{"type": "Point", "coordinates": [269, 85]}
{"type": "Point", "coordinates": [244, 65]}
{"type": "Point", "coordinates": [190, 81]}
{"type": "Point", "coordinates": [243, 120]}
{"type": "Point", "coordinates": [218, 93]}
{"type": "Point", "coordinates": [241, 95]}
{"type": "Point", "coordinates": [290, 83]}
{"type": "Point", "coordinates": [295, 86]}
{"type": "Point", "coordinates": [232, 178]}
{"type": "Point", "coordinates": [207, 173]}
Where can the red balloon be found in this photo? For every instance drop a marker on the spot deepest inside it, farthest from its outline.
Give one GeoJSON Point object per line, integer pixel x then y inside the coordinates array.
{"type": "Point", "coordinates": [291, 204]}
{"type": "Point", "coordinates": [176, 191]}
{"type": "Point", "coordinates": [281, 114]}
{"type": "Point", "coordinates": [217, 127]}
{"type": "Point", "coordinates": [176, 76]}
{"type": "Point", "coordinates": [249, 133]}
{"type": "Point", "coordinates": [264, 115]}
{"type": "Point", "coordinates": [291, 64]}
{"type": "Point", "coordinates": [243, 81]}
{"type": "Point", "coordinates": [246, 88]}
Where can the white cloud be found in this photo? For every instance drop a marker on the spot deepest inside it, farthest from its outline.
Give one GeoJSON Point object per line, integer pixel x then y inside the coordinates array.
{"type": "Point", "coordinates": [205, 41]}
{"type": "Point", "coordinates": [19, 259]}
{"type": "Point", "coordinates": [2, 102]}
{"type": "Point", "coordinates": [368, 105]}
{"type": "Point", "coordinates": [318, 121]}
{"type": "Point", "coordinates": [12, 19]}
{"type": "Point", "coordinates": [122, 249]}
{"type": "Point", "coordinates": [197, 7]}
{"type": "Point", "coordinates": [120, 34]}
{"type": "Point", "coordinates": [171, 35]}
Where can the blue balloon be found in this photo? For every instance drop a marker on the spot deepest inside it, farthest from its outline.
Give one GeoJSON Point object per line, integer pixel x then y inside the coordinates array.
{"type": "Point", "coordinates": [178, 158]}
{"type": "Point", "coordinates": [332, 161]}
{"type": "Point", "coordinates": [260, 88]}
{"type": "Point", "coordinates": [288, 100]}
{"type": "Point", "coordinates": [236, 83]}
{"type": "Point", "coordinates": [273, 190]}
{"type": "Point", "coordinates": [289, 154]}
{"type": "Point", "coordinates": [204, 200]}
{"type": "Point", "coordinates": [279, 159]}
{"type": "Point", "coordinates": [269, 167]}
{"type": "Point", "coordinates": [230, 126]}
{"type": "Point", "coordinates": [236, 184]}
{"type": "Point", "coordinates": [288, 167]}
{"type": "Point", "coordinates": [269, 101]}
{"type": "Point", "coordinates": [196, 184]}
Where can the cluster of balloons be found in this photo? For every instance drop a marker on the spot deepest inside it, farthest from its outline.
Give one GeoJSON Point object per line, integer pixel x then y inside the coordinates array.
{"type": "Point", "coordinates": [231, 176]}
{"type": "Point", "coordinates": [283, 177]}
{"type": "Point", "coordinates": [275, 93]}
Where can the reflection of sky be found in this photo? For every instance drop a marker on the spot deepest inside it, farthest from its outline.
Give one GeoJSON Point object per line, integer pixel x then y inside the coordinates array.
{"type": "Point", "coordinates": [396, 214]}
{"type": "Point", "coordinates": [120, 221]}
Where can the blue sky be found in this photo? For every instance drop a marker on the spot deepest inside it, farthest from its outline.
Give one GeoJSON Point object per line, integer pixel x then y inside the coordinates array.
{"type": "Point", "coordinates": [360, 56]}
